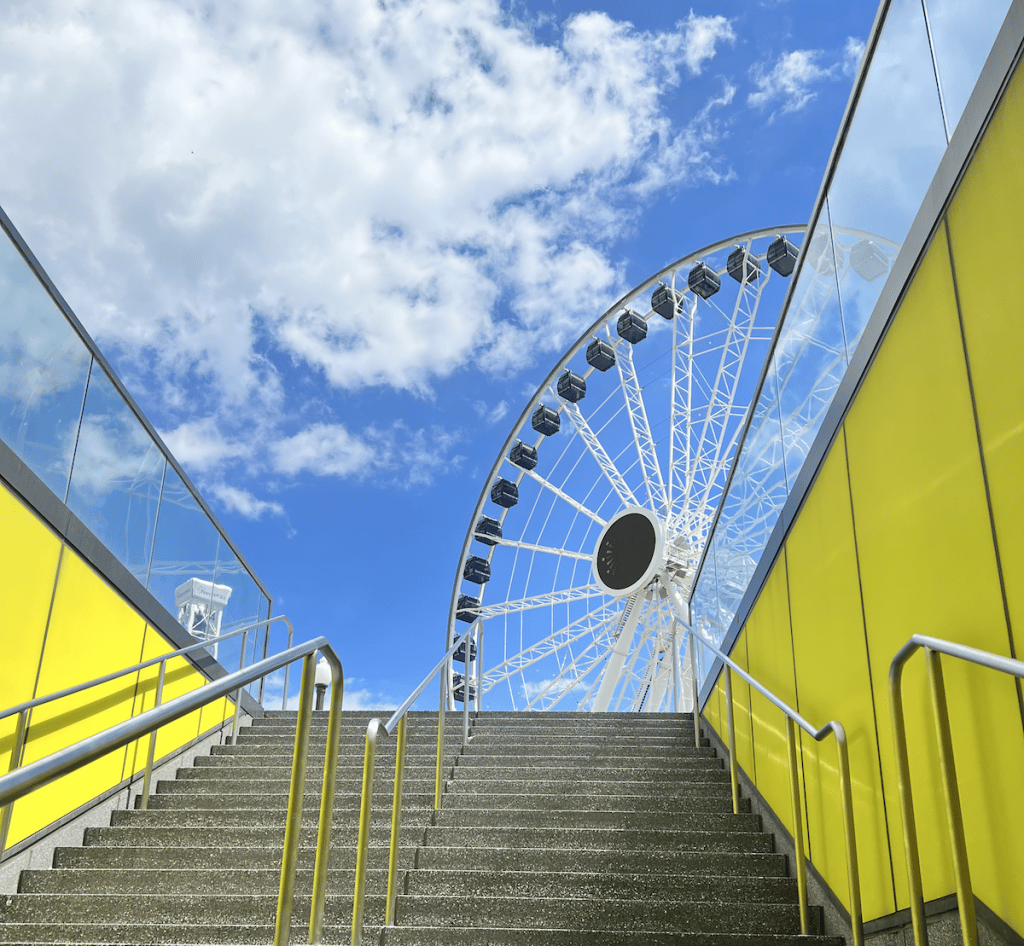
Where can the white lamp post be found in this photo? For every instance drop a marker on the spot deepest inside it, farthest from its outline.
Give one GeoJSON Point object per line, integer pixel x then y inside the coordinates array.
{"type": "Point", "coordinates": [322, 681]}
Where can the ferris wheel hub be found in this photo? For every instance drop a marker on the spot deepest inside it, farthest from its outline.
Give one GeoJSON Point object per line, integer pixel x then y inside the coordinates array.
{"type": "Point", "coordinates": [629, 551]}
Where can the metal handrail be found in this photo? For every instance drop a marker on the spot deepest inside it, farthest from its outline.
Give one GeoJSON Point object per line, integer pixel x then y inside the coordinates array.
{"type": "Point", "coordinates": [23, 780]}
{"type": "Point", "coordinates": [845, 785]}
{"type": "Point", "coordinates": [25, 709]}
{"type": "Point", "coordinates": [933, 647]}
{"type": "Point", "coordinates": [373, 730]}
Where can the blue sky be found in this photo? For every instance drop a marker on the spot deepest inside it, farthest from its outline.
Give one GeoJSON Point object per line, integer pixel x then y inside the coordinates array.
{"type": "Point", "coordinates": [332, 247]}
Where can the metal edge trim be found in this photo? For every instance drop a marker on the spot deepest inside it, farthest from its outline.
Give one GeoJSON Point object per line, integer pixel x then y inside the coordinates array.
{"type": "Point", "coordinates": [7, 226]}
{"type": "Point", "coordinates": [999, 68]}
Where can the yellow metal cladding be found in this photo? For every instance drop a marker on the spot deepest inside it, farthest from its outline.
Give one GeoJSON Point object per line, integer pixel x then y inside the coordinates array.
{"type": "Point", "coordinates": [90, 631]}
{"type": "Point", "coordinates": [834, 683]}
{"type": "Point", "coordinates": [85, 612]}
{"type": "Point", "coordinates": [770, 653]}
{"type": "Point", "coordinates": [28, 567]}
{"type": "Point", "coordinates": [984, 221]}
{"type": "Point", "coordinates": [927, 561]}
{"type": "Point", "coordinates": [741, 708]}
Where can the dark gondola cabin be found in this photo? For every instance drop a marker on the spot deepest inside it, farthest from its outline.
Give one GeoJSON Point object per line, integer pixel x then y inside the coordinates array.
{"type": "Point", "coordinates": [546, 421]}
{"type": "Point", "coordinates": [704, 281]}
{"type": "Point", "coordinates": [632, 327]}
{"type": "Point", "coordinates": [571, 386]}
{"type": "Point", "coordinates": [487, 531]}
{"type": "Point", "coordinates": [476, 570]}
{"type": "Point", "coordinates": [504, 493]}
{"type": "Point", "coordinates": [600, 354]}
{"type": "Point", "coordinates": [523, 455]}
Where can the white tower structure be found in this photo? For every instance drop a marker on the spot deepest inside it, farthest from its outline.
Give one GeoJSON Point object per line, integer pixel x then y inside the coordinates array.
{"type": "Point", "coordinates": [200, 605]}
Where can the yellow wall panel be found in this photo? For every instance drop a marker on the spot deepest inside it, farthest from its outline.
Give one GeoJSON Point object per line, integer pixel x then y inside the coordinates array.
{"type": "Point", "coordinates": [85, 611]}
{"type": "Point", "coordinates": [926, 555]}
{"type": "Point", "coordinates": [180, 678]}
{"type": "Point", "coordinates": [712, 712]}
{"type": "Point", "coordinates": [833, 679]}
{"type": "Point", "coordinates": [28, 570]}
{"type": "Point", "coordinates": [984, 219]}
{"type": "Point", "coordinates": [741, 709]}
{"type": "Point", "coordinates": [770, 657]}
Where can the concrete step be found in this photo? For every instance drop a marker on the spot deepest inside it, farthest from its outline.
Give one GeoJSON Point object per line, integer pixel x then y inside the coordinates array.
{"type": "Point", "coordinates": [133, 882]}
{"type": "Point", "coordinates": [562, 755]}
{"type": "Point", "coordinates": [686, 768]}
{"type": "Point", "coordinates": [212, 818]}
{"type": "Point", "coordinates": [277, 802]}
{"type": "Point", "coordinates": [434, 936]}
{"type": "Point", "coordinates": [195, 837]}
{"type": "Point", "coordinates": [188, 910]}
{"type": "Point", "coordinates": [575, 913]}
{"type": "Point", "coordinates": [225, 858]}
{"type": "Point", "coordinates": [538, 883]}
{"type": "Point", "coordinates": [582, 743]}
{"type": "Point", "coordinates": [698, 862]}
{"type": "Point", "coordinates": [651, 820]}
{"type": "Point", "coordinates": [714, 784]}
{"type": "Point", "coordinates": [706, 798]}
{"type": "Point", "coordinates": [742, 838]}
{"type": "Point", "coordinates": [208, 783]}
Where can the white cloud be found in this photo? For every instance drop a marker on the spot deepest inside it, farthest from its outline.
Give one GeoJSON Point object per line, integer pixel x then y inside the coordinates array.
{"type": "Point", "coordinates": [200, 444]}
{"type": "Point", "coordinates": [853, 52]}
{"type": "Point", "coordinates": [490, 415]}
{"type": "Point", "coordinates": [243, 502]}
{"type": "Point", "coordinates": [790, 80]}
{"type": "Point", "coordinates": [349, 187]}
{"type": "Point", "coordinates": [702, 35]}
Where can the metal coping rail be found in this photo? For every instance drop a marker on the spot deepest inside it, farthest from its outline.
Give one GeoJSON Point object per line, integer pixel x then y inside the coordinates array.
{"type": "Point", "coordinates": [25, 709]}
{"type": "Point", "coordinates": [373, 730]}
{"type": "Point", "coordinates": [23, 780]}
{"type": "Point", "coordinates": [933, 648]}
{"type": "Point", "coordinates": [845, 784]}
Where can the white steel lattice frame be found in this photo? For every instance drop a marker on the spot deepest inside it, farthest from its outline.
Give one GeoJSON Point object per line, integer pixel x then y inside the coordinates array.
{"type": "Point", "coordinates": [549, 614]}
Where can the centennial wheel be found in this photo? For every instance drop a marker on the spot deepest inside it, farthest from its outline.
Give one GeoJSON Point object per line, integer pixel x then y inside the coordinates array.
{"type": "Point", "coordinates": [598, 507]}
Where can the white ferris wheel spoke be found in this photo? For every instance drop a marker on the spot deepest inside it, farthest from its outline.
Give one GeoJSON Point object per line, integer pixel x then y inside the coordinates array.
{"type": "Point", "coordinates": [530, 547]}
{"type": "Point", "coordinates": [642, 438]}
{"type": "Point", "coordinates": [600, 454]}
{"type": "Point", "coordinates": [579, 629]}
{"type": "Point", "coordinates": [539, 601]}
{"type": "Point", "coordinates": [565, 497]}
{"type": "Point", "coordinates": [568, 670]}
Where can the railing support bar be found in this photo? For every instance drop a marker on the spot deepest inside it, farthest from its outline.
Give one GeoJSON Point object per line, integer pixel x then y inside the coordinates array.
{"type": "Point", "coordinates": [852, 866]}
{"type": "Point", "coordinates": [696, 691]}
{"type": "Point", "coordinates": [734, 776]}
{"type": "Point", "coordinates": [906, 793]}
{"type": "Point", "coordinates": [238, 692]}
{"type": "Point", "coordinates": [396, 822]}
{"type": "Point", "coordinates": [363, 840]}
{"type": "Point", "coordinates": [20, 730]}
{"type": "Point", "coordinates": [323, 834]}
{"type": "Point", "coordinates": [151, 751]}
{"type": "Point", "coordinates": [440, 744]}
{"type": "Point", "coordinates": [293, 820]}
{"type": "Point", "coordinates": [954, 813]}
{"type": "Point", "coordinates": [798, 826]}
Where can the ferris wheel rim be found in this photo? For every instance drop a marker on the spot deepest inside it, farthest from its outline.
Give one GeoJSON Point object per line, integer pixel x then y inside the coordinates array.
{"type": "Point", "coordinates": [547, 386]}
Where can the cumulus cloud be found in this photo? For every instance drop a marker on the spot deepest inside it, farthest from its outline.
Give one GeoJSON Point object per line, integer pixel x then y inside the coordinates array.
{"type": "Point", "coordinates": [491, 415]}
{"type": "Point", "coordinates": [853, 53]}
{"type": "Point", "coordinates": [243, 502]}
{"type": "Point", "coordinates": [790, 80]}
{"type": "Point", "coordinates": [352, 185]}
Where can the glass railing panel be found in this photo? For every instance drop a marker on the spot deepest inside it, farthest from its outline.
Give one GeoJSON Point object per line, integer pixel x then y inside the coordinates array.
{"type": "Point", "coordinates": [962, 36]}
{"type": "Point", "coordinates": [890, 155]}
{"type": "Point", "coordinates": [185, 547]}
{"type": "Point", "coordinates": [243, 603]}
{"type": "Point", "coordinates": [43, 370]}
{"type": "Point", "coordinates": [117, 476]}
{"type": "Point", "coordinates": [811, 356]}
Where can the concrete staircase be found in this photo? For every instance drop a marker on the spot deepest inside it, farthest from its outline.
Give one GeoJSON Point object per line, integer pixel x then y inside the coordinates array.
{"type": "Point", "coordinates": [555, 829]}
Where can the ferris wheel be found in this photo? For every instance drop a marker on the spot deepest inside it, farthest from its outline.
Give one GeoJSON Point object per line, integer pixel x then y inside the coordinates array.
{"type": "Point", "coordinates": [597, 509]}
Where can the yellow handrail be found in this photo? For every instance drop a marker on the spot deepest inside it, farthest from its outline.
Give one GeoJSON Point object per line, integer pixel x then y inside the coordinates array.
{"type": "Point", "coordinates": [933, 648]}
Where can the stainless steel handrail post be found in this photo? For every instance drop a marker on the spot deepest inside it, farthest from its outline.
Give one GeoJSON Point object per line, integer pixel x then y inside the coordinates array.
{"type": "Point", "coordinates": [396, 822]}
{"type": "Point", "coordinates": [238, 692]}
{"type": "Point", "coordinates": [363, 841]}
{"type": "Point", "coordinates": [734, 777]}
{"type": "Point", "coordinates": [798, 825]}
{"type": "Point", "coordinates": [323, 835]}
{"type": "Point", "coordinates": [906, 795]}
{"type": "Point", "coordinates": [440, 743]}
{"type": "Point", "coordinates": [465, 699]}
{"type": "Point", "coordinates": [151, 750]}
{"type": "Point", "coordinates": [18, 747]}
{"type": "Point", "coordinates": [852, 865]}
{"type": "Point", "coordinates": [695, 689]}
{"type": "Point", "coordinates": [293, 820]}
{"type": "Point", "coordinates": [947, 765]}
{"type": "Point", "coordinates": [288, 669]}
